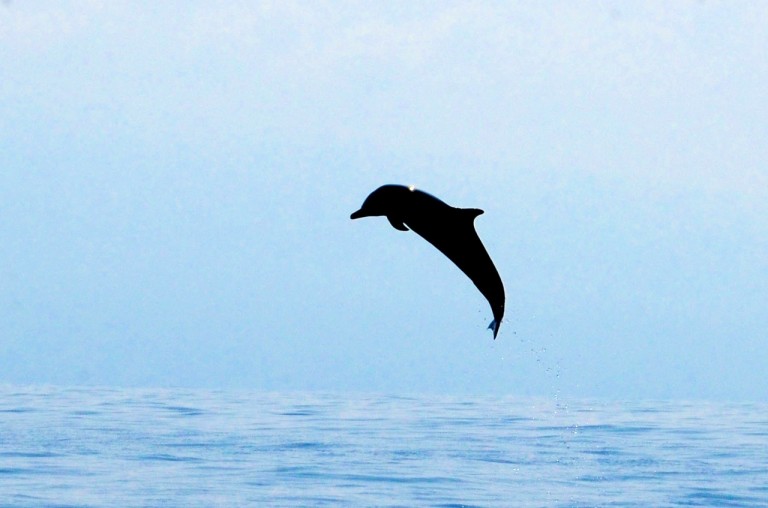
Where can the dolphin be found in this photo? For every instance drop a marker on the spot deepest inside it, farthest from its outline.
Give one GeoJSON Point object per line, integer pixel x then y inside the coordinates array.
{"type": "Point", "coordinates": [450, 229]}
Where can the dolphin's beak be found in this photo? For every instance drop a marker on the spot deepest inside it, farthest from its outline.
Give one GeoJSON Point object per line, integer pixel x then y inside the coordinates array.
{"type": "Point", "coordinates": [358, 214]}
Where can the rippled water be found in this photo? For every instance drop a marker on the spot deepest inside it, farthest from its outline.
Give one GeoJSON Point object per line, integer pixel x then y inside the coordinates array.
{"type": "Point", "coordinates": [103, 447]}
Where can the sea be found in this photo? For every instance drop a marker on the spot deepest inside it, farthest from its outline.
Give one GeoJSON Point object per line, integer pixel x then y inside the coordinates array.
{"type": "Point", "coordinates": [83, 447]}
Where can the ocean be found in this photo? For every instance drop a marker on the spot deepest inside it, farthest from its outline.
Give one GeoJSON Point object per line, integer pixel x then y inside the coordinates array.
{"type": "Point", "coordinates": [81, 447]}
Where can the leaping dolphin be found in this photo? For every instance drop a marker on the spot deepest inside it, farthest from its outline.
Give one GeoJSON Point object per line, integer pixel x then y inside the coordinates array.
{"type": "Point", "coordinates": [450, 229]}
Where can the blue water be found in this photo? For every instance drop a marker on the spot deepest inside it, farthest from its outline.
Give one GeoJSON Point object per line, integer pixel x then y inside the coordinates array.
{"type": "Point", "coordinates": [105, 447]}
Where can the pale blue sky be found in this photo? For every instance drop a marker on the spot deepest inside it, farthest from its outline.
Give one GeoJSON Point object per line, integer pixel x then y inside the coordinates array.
{"type": "Point", "coordinates": [176, 180]}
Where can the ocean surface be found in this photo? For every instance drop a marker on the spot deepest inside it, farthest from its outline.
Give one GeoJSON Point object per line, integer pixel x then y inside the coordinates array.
{"type": "Point", "coordinates": [111, 447]}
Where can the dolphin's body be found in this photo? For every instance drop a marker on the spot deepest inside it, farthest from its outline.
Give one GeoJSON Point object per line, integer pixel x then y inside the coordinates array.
{"type": "Point", "coordinates": [449, 229]}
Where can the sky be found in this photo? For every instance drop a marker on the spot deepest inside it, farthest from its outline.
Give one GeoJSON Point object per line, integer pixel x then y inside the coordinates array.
{"type": "Point", "coordinates": [176, 180]}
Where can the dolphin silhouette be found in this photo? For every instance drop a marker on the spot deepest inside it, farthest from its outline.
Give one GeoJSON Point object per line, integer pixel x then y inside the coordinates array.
{"type": "Point", "coordinates": [450, 229]}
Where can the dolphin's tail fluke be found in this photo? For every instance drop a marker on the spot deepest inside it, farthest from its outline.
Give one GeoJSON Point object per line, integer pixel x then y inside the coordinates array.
{"type": "Point", "coordinates": [495, 327]}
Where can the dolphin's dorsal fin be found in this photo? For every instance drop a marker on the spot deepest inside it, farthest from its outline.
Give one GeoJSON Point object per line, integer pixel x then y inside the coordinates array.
{"type": "Point", "coordinates": [471, 212]}
{"type": "Point", "coordinates": [397, 223]}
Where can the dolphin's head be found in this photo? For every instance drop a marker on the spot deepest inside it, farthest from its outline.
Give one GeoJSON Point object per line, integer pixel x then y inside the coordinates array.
{"type": "Point", "coordinates": [386, 200]}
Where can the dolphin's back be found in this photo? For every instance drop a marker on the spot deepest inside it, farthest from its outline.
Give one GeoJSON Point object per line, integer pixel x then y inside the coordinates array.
{"type": "Point", "coordinates": [452, 231]}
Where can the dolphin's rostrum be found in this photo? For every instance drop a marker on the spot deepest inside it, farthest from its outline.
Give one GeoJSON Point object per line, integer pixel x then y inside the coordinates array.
{"type": "Point", "coordinates": [450, 229]}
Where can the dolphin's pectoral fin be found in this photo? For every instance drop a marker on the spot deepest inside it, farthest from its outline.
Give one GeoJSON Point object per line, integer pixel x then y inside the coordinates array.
{"type": "Point", "coordinates": [397, 223]}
